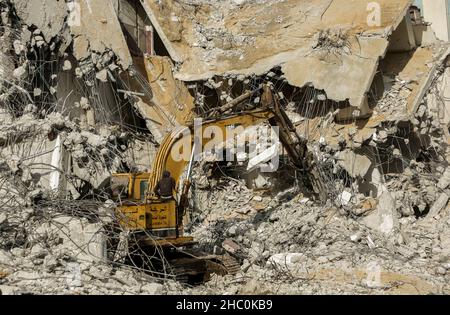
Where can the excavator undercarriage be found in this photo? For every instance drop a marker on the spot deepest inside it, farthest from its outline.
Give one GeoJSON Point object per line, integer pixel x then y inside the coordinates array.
{"type": "Point", "coordinates": [177, 259]}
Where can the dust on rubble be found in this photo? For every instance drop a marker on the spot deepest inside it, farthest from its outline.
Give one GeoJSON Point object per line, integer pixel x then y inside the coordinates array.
{"type": "Point", "coordinates": [79, 102]}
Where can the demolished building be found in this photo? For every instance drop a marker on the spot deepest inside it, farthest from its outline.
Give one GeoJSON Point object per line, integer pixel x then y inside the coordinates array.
{"type": "Point", "coordinates": [93, 88]}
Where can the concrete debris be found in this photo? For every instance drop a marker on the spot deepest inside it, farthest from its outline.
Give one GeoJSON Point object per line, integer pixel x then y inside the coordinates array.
{"type": "Point", "coordinates": [47, 16]}
{"type": "Point", "coordinates": [387, 213]}
{"type": "Point", "coordinates": [67, 65]}
{"type": "Point", "coordinates": [102, 75]}
{"type": "Point", "coordinates": [86, 92]}
{"type": "Point", "coordinates": [439, 204]}
{"type": "Point", "coordinates": [265, 157]}
{"type": "Point", "coordinates": [344, 198]}
{"type": "Point", "coordinates": [230, 246]}
{"type": "Point", "coordinates": [224, 50]}
{"type": "Point", "coordinates": [444, 181]}
{"type": "Point", "coordinates": [285, 260]}
{"type": "Point", "coordinates": [356, 165]}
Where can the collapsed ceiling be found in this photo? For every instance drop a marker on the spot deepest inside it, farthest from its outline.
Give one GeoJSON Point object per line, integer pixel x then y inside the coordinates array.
{"type": "Point", "coordinates": [333, 37]}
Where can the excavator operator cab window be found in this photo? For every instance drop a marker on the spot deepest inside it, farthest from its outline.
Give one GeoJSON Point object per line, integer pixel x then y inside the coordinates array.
{"type": "Point", "coordinates": [143, 187]}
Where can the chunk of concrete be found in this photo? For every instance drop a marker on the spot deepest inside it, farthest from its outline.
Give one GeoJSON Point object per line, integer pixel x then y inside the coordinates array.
{"type": "Point", "coordinates": [38, 251]}
{"type": "Point", "coordinates": [152, 289]}
{"type": "Point", "coordinates": [20, 72]}
{"type": "Point", "coordinates": [438, 205]}
{"type": "Point", "coordinates": [266, 156]}
{"type": "Point", "coordinates": [344, 198]}
{"type": "Point", "coordinates": [384, 219]}
{"type": "Point", "coordinates": [5, 257]}
{"type": "Point", "coordinates": [260, 182]}
{"type": "Point", "coordinates": [355, 237]}
{"type": "Point", "coordinates": [285, 260]}
{"type": "Point", "coordinates": [230, 246]}
{"type": "Point", "coordinates": [37, 92]}
{"type": "Point", "coordinates": [67, 65]}
{"type": "Point", "coordinates": [102, 75]}
{"type": "Point", "coordinates": [86, 241]}
{"type": "Point", "coordinates": [8, 290]}
{"type": "Point", "coordinates": [47, 15]}
{"type": "Point", "coordinates": [99, 30]}
{"type": "Point", "coordinates": [356, 165]}
{"type": "Point", "coordinates": [3, 218]}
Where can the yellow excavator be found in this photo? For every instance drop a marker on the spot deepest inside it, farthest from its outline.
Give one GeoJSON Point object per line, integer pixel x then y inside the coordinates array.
{"type": "Point", "coordinates": [157, 225]}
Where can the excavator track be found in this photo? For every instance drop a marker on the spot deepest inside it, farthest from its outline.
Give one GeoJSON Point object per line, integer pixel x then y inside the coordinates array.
{"type": "Point", "coordinates": [196, 270]}
{"type": "Point", "coordinates": [189, 270]}
{"type": "Point", "coordinates": [189, 266]}
{"type": "Point", "coordinates": [223, 265]}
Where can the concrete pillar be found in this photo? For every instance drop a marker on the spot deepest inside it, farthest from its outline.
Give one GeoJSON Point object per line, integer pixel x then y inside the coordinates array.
{"type": "Point", "coordinates": [436, 12]}
{"type": "Point", "coordinates": [60, 164]}
{"type": "Point", "coordinates": [403, 37]}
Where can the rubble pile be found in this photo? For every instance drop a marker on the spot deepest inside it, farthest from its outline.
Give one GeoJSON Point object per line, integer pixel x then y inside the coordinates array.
{"type": "Point", "coordinates": [55, 165]}
{"type": "Point", "coordinates": [85, 93]}
{"type": "Point", "coordinates": [48, 244]}
{"type": "Point", "coordinates": [59, 247]}
{"type": "Point", "coordinates": [288, 245]}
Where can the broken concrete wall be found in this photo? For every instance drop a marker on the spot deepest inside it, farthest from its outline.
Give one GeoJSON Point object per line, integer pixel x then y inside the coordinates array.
{"type": "Point", "coordinates": [169, 94]}
{"type": "Point", "coordinates": [228, 45]}
{"type": "Point", "coordinates": [439, 100]}
{"type": "Point", "coordinates": [48, 16]}
{"type": "Point", "coordinates": [161, 100]}
{"type": "Point", "coordinates": [40, 167]}
{"type": "Point", "coordinates": [99, 31]}
{"type": "Point", "coordinates": [424, 34]}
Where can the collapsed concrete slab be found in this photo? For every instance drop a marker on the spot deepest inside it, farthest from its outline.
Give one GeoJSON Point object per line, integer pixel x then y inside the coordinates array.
{"type": "Point", "coordinates": [86, 241]}
{"type": "Point", "coordinates": [335, 38]}
{"type": "Point", "coordinates": [410, 75]}
{"type": "Point", "coordinates": [355, 165]}
{"type": "Point", "coordinates": [99, 30]}
{"type": "Point", "coordinates": [48, 16]}
{"type": "Point", "coordinates": [439, 205]}
{"type": "Point", "coordinates": [171, 104]}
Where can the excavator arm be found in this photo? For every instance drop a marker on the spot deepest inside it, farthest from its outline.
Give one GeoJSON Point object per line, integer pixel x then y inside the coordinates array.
{"type": "Point", "coordinates": [172, 155]}
{"type": "Point", "coordinates": [179, 148]}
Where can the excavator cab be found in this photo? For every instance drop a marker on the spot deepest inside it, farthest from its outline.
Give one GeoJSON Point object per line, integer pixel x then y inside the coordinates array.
{"type": "Point", "coordinates": [139, 212]}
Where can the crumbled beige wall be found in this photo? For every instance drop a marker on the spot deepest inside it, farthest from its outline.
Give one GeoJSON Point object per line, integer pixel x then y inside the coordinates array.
{"type": "Point", "coordinates": [220, 38]}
